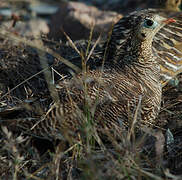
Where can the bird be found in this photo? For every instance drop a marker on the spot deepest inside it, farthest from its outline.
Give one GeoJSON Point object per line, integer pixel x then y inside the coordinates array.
{"type": "Point", "coordinates": [112, 96]}
{"type": "Point", "coordinates": [164, 44]}
{"type": "Point", "coordinates": [16, 73]}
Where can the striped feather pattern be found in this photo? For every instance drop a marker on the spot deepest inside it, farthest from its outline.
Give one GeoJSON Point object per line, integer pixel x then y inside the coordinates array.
{"type": "Point", "coordinates": [169, 56]}
{"type": "Point", "coordinates": [164, 43]}
{"type": "Point", "coordinates": [111, 98]}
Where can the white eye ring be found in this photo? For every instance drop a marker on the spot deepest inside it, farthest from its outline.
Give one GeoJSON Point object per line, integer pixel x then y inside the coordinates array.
{"type": "Point", "coordinates": [148, 23]}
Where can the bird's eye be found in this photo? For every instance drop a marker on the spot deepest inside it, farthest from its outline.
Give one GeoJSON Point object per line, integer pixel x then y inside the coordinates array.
{"type": "Point", "coordinates": [148, 23]}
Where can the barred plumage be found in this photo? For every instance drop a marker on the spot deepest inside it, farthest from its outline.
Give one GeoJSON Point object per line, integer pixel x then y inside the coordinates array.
{"type": "Point", "coordinates": [113, 96]}
{"type": "Point", "coordinates": [13, 70]}
{"type": "Point", "coordinates": [164, 43]}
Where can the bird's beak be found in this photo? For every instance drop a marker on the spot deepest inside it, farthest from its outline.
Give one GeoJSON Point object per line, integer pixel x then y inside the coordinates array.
{"type": "Point", "coordinates": [170, 20]}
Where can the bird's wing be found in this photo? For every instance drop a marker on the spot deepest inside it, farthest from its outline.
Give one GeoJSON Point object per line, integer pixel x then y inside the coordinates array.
{"type": "Point", "coordinates": [165, 47]}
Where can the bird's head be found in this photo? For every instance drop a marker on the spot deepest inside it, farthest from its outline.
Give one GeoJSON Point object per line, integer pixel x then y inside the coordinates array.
{"type": "Point", "coordinates": [149, 25]}
{"type": "Point", "coordinates": [134, 33]}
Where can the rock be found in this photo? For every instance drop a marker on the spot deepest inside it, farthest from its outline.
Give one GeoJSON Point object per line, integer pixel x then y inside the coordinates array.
{"type": "Point", "coordinates": [33, 27]}
{"type": "Point", "coordinates": [77, 19]}
{"type": "Point", "coordinates": [43, 9]}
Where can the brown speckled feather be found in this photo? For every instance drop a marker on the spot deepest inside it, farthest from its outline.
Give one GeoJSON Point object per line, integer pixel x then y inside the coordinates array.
{"type": "Point", "coordinates": [170, 57]}
{"type": "Point", "coordinates": [109, 97]}
{"type": "Point", "coordinates": [164, 43]}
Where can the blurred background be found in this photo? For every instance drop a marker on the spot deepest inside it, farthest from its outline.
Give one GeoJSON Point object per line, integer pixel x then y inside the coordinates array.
{"type": "Point", "coordinates": [52, 17]}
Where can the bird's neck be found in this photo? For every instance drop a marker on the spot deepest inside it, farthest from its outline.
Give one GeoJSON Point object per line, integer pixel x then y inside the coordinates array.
{"type": "Point", "coordinates": [143, 53]}
{"type": "Point", "coordinates": [137, 61]}
{"type": "Point", "coordinates": [144, 67]}
{"type": "Point", "coordinates": [134, 53]}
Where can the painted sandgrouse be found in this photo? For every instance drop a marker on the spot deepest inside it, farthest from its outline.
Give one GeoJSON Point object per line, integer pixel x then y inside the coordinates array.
{"type": "Point", "coordinates": [14, 70]}
{"type": "Point", "coordinates": [111, 97]}
{"type": "Point", "coordinates": [164, 43]}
